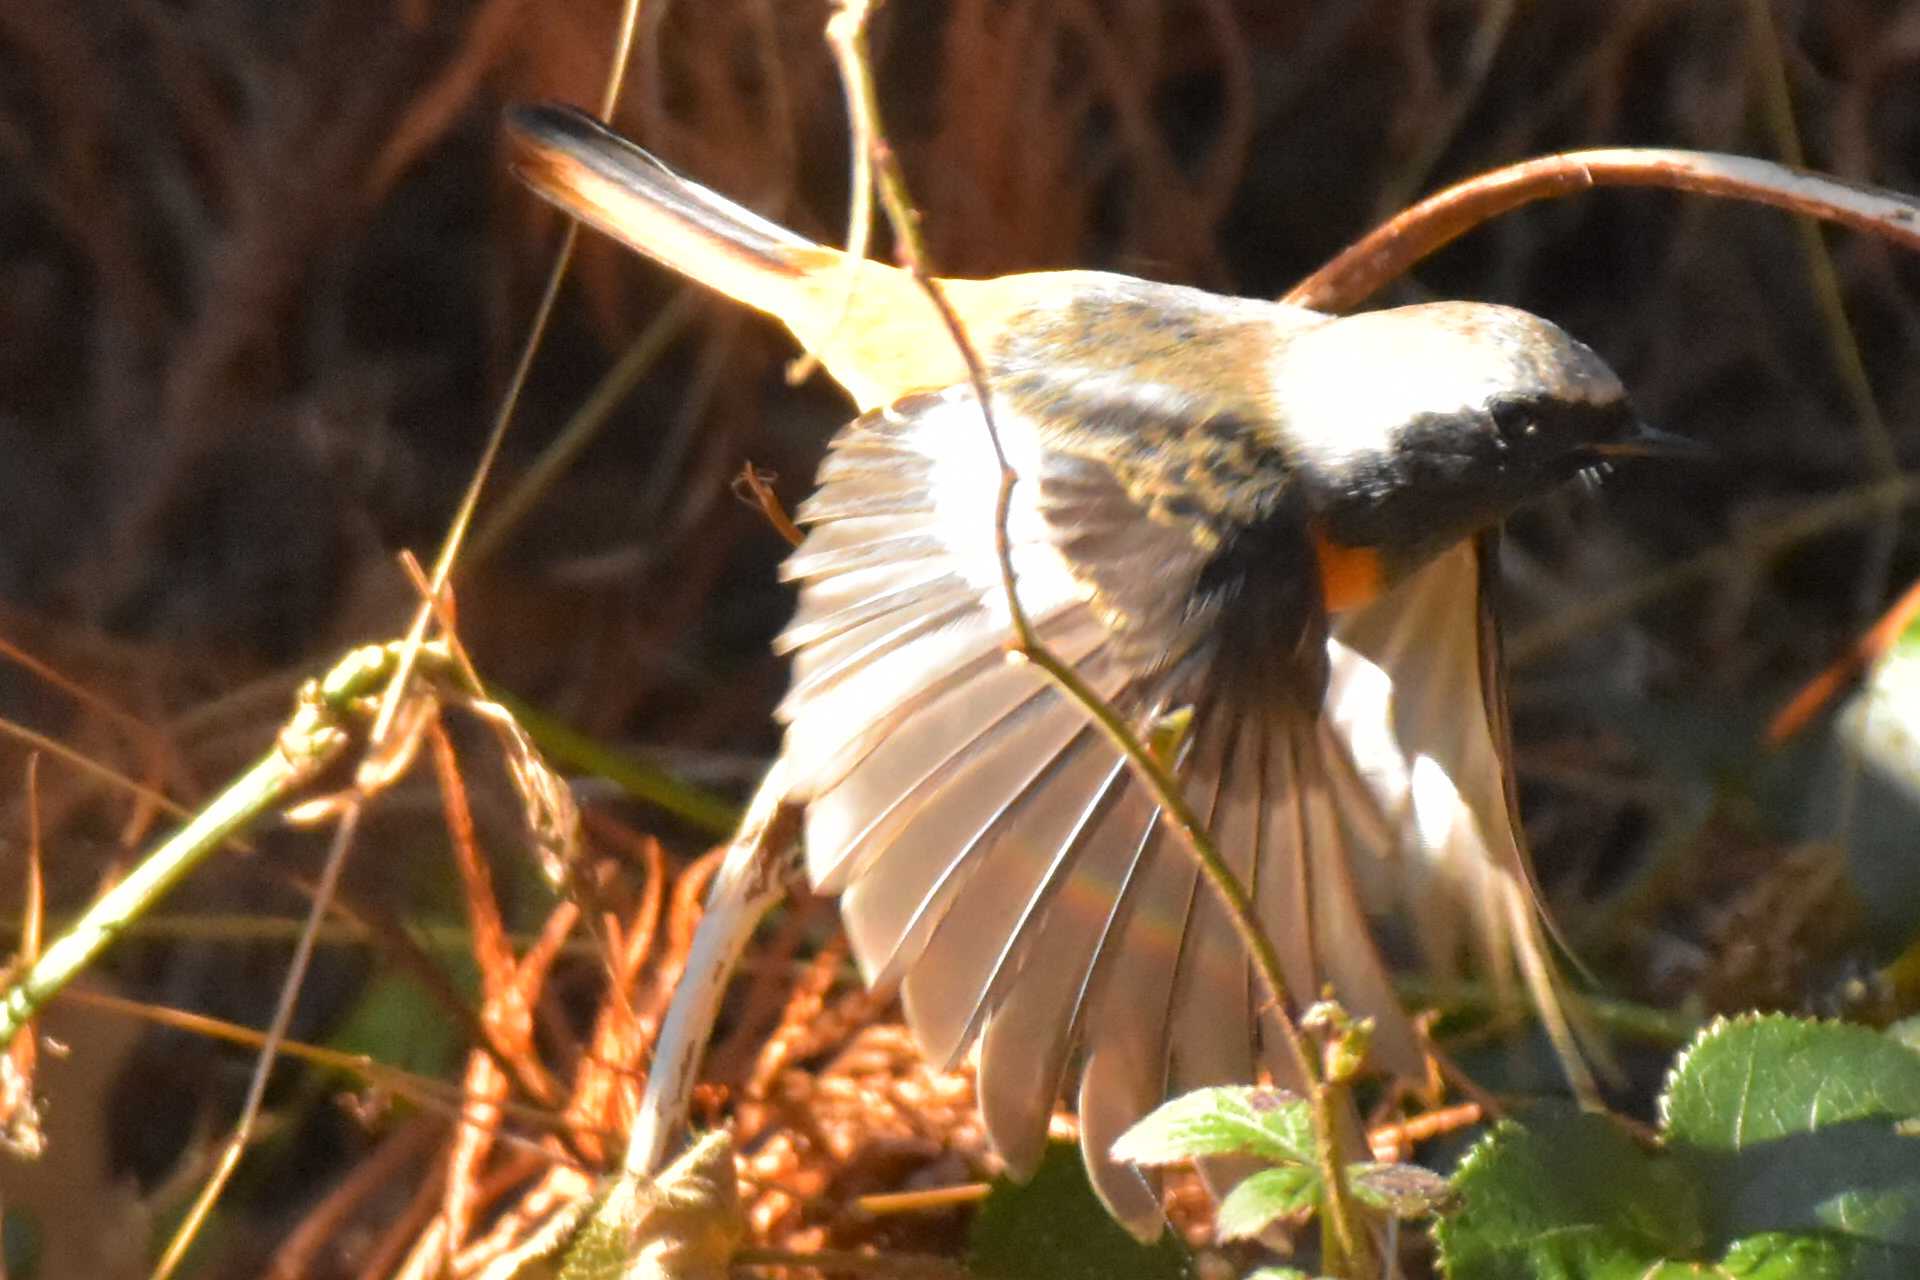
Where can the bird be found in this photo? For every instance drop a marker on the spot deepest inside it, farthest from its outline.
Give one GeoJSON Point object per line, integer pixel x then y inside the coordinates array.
{"type": "Point", "coordinates": [1272, 527]}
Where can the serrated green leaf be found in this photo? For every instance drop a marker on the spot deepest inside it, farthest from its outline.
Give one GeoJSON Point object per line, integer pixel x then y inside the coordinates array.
{"type": "Point", "coordinates": [1263, 1198]}
{"type": "Point", "coordinates": [1750, 1080]}
{"type": "Point", "coordinates": [1403, 1190]}
{"type": "Point", "coordinates": [1793, 1125]}
{"type": "Point", "coordinates": [1055, 1228]}
{"type": "Point", "coordinates": [1271, 1124]}
{"type": "Point", "coordinates": [683, 1225]}
{"type": "Point", "coordinates": [1806, 1256]}
{"type": "Point", "coordinates": [1570, 1196]}
{"type": "Point", "coordinates": [1785, 1160]}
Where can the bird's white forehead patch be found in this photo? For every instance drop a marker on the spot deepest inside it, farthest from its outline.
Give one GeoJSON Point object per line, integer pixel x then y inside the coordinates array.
{"type": "Point", "coordinates": [1346, 388]}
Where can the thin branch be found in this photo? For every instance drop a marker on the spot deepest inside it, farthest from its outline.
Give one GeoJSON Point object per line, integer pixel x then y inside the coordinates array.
{"type": "Point", "coordinates": [1817, 693]}
{"type": "Point", "coordinates": [429, 1094]}
{"type": "Point", "coordinates": [1391, 249]}
{"type": "Point", "coordinates": [314, 736]}
{"type": "Point", "coordinates": [1345, 1244]}
{"type": "Point", "coordinates": [849, 1262]}
{"type": "Point", "coordinates": [271, 777]}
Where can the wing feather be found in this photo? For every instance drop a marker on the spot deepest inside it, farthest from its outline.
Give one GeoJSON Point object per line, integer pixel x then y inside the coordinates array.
{"type": "Point", "coordinates": [889, 738]}
{"type": "Point", "coordinates": [892, 906]}
{"type": "Point", "coordinates": [852, 651]}
{"type": "Point", "coordinates": [1125, 1030]}
{"type": "Point", "coordinates": [997, 857]}
{"type": "Point", "coordinates": [837, 605]}
{"type": "Point", "coordinates": [1418, 695]}
{"type": "Point", "coordinates": [1212, 1035]}
{"type": "Point", "coordinates": [1019, 863]}
{"type": "Point", "coordinates": [1029, 1036]}
{"type": "Point", "coordinates": [864, 548]}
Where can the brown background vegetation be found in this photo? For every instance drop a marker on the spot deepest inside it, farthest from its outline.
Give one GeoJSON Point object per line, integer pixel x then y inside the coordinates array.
{"type": "Point", "coordinates": [262, 273]}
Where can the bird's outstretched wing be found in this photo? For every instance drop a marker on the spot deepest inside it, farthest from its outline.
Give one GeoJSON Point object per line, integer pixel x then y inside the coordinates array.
{"type": "Point", "coordinates": [995, 855]}
{"type": "Point", "coordinates": [1417, 696]}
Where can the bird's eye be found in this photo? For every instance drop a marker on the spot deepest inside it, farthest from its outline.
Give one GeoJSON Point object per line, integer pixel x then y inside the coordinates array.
{"type": "Point", "coordinates": [1514, 421]}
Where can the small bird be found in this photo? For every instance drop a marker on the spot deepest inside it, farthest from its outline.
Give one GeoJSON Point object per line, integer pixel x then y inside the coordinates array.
{"type": "Point", "coordinates": [1273, 527]}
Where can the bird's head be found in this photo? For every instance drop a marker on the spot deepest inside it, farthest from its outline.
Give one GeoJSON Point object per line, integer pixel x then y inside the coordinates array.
{"type": "Point", "coordinates": [1419, 426]}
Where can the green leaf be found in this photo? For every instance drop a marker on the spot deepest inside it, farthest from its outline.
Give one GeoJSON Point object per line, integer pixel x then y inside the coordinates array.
{"type": "Point", "coordinates": [399, 1023]}
{"type": "Point", "coordinates": [1803, 1256]}
{"type": "Point", "coordinates": [1272, 1124]}
{"type": "Point", "coordinates": [1403, 1190]}
{"type": "Point", "coordinates": [1796, 1125]}
{"type": "Point", "coordinates": [687, 1223]}
{"type": "Point", "coordinates": [1754, 1079]}
{"type": "Point", "coordinates": [1570, 1196]}
{"type": "Point", "coordinates": [1786, 1157]}
{"type": "Point", "coordinates": [1055, 1228]}
{"type": "Point", "coordinates": [1263, 1198]}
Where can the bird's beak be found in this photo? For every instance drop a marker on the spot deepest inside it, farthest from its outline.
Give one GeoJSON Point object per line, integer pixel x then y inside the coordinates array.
{"type": "Point", "coordinates": [1650, 442]}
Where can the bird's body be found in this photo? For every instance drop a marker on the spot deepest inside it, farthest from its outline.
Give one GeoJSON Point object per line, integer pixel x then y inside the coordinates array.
{"type": "Point", "coordinates": [1277, 521]}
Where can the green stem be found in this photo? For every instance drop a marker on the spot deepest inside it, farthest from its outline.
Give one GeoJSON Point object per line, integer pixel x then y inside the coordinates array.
{"type": "Point", "coordinates": [1345, 1249]}
{"type": "Point", "coordinates": [312, 739]}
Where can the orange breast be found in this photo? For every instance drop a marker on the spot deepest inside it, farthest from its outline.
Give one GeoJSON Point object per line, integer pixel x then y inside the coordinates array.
{"type": "Point", "coordinates": [1349, 576]}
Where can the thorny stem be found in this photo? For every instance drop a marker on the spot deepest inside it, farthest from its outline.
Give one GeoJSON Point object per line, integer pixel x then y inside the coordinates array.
{"type": "Point", "coordinates": [1345, 1247]}
{"type": "Point", "coordinates": [314, 737]}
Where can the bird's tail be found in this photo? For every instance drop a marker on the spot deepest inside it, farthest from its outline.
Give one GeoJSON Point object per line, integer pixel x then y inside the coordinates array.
{"type": "Point", "coordinates": [593, 173]}
{"type": "Point", "coordinates": [874, 329]}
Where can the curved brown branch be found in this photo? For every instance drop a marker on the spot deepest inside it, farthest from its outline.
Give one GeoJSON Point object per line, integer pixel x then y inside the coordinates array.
{"type": "Point", "coordinates": [1391, 249]}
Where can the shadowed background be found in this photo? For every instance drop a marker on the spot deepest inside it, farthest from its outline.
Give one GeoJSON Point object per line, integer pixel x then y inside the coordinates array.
{"type": "Point", "coordinates": [263, 273]}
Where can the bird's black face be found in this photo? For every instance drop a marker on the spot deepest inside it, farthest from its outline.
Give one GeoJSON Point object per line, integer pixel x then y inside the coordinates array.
{"type": "Point", "coordinates": [1421, 426]}
{"type": "Point", "coordinates": [1449, 475]}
